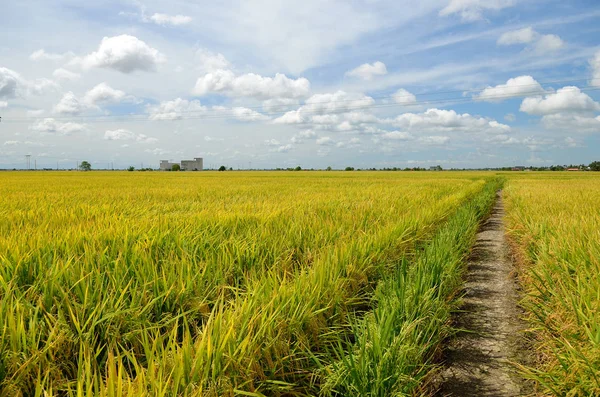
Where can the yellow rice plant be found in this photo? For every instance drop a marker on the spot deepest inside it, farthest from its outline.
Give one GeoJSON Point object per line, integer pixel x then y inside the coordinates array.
{"type": "Point", "coordinates": [163, 284]}
{"type": "Point", "coordinates": [555, 221]}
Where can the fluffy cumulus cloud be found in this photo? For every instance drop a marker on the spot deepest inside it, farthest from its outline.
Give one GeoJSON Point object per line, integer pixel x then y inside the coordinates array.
{"type": "Point", "coordinates": [367, 71]}
{"type": "Point", "coordinates": [518, 86]}
{"type": "Point", "coordinates": [3, 104]}
{"type": "Point", "coordinates": [397, 136]}
{"type": "Point", "coordinates": [50, 125]}
{"type": "Point", "coordinates": [103, 93]}
{"type": "Point", "coordinates": [573, 122]}
{"type": "Point", "coordinates": [9, 83]}
{"type": "Point", "coordinates": [538, 43]}
{"type": "Point", "coordinates": [566, 99]}
{"type": "Point", "coordinates": [323, 108]}
{"type": "Point", "coordinates": [437, 120]}
{"type": "Point", "coordinates": [473, 10]}
{"type": "Point", "coordinates": [126, 135]}
{"type": "Point", "coordinates": [123, 53]}
{"type": "Point", "coordinates": [404, 97]}
{"type": "Point", "coordinates": [226, 82]}
{"type": "Point", "coordinates": [100, 94]}
{"type": "Point", "coordinates": [69, 104]}
{"type": "Point", "coordinates": [176, 109]}
{"type": "Point", "coordinates": [240, 113]}
{"type": "Point", "coordinates": [325, 141]}
{"type": "Point", "coordinates": [13, 85]}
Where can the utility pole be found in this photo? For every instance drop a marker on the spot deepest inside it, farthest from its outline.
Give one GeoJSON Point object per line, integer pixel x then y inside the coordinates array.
{"type": "Point", "coordinates": [28, 158]}
{"type": "Point", "coordinates": [35, 164]}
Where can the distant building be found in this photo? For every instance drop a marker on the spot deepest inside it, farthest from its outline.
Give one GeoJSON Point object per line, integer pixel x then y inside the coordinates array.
{"type": "Point", "coordinates": [197, 164]}
{"type": "Point", "coordinates": [518, 168]}
{"type": "Point", "coordinates": [573, 169]}
{"type": "Point", "coordinates": [166, 165]}
{"type": "Point", "coordinates": [192, 165]}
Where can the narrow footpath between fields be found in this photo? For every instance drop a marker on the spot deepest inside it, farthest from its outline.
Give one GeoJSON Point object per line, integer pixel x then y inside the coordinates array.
{"type": "Point", "coordinates": [477, 360]}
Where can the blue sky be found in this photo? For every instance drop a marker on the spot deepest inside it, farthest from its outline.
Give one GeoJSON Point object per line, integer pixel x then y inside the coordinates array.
{"type": "Point", "coordinates": [369, 83]}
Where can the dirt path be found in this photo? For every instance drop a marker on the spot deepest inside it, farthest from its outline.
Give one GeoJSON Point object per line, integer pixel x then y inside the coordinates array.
{"type": "Point", "coordinates": [477, 358]}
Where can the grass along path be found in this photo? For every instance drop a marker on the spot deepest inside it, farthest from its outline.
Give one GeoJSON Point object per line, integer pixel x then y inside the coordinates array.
{"type": "Point", "coordinates": [491, 330]}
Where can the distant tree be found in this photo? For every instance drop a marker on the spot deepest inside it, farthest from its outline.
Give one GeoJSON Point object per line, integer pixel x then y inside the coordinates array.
{"type": "Point", "coordinates": [230, 168]}
{"type": "Point", "coordinates": [222, 168]}
{"type": "Point", "coordinates": [175, 167]}
{"type": "Point", "coordinates": [349, 168]}
{"type": "Point", "coordinates": [85, 166]}
{"type": "Point", "coordinates": [595, 166]}
{"type": "Point", "coordinates": [131, 168]}
{"type": "Point", "coordinates": [298, 168]}
{"type": "Point", "coordinates": [328, 168]}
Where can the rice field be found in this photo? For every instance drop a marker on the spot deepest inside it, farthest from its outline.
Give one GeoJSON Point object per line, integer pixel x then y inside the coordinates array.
{"type": "Point", "coordinates": [554, 221]}
{"type": "Point", "coordinates": [222, 284]}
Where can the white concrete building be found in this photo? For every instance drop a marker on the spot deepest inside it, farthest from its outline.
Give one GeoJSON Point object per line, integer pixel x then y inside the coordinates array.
{"type": "Point", "coordinates": [192, 165]}
{"type": "Point", "coordinates": [197, 164]}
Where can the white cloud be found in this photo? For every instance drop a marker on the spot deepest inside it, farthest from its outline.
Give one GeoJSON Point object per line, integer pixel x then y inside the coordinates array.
{"type": "Point", "coordinates": [576, 123]}
{"type": "Point", "coordinates": [437, 120]}
{"type": "Point", "coordinates": [272, 142]}
{"type": "Point", "coordinates": [548, 43]}
{"type": "Point", "coordinates": [522, 85]}
{"type": "Point", "coordinates": [284, 148]}
{"type": "Point", "coordinates": [50, 125]}
{"type": "Point", "coordinates": [11, 143]}
{"type": "Point", "coordinates": [69, 104]}
{"type": "Point", "coordinates": [404, 97]}
{"type": "Point", "coordinates": [209, 61]}
{"type": "Point", "coordinates": [241, 113]}
{"type": "Point", "coordinates": [595, 64]}
{"type": "Point", "coordinates": [325, 141]}
{"type": "Point", "coordinates": [510, 117]}
{"type": "Point", "coordinates": [124, 53]}
{"type": "Point", "coordinates": [175, 20]}
{"type": "Point", "coordinates": [119, 135]}
{"type": "Point", "coordinates": [103, 93]}
{"type": "Point", "coordinates": [472, 10]}
{"type": "Point", "coordinates": [318, 108]}
{"type": "Point", "coordinates": [225, 82]}
{"type": "Point", "coordinates": [157, 151]}
{"type": "Point", "coordinates": [520, 36]}
{"type": "Point", "coordinates": [65, 75]}
{"type": "Point", "coordinates": [397, 136]}
{"type": "Point", "coordinates": [9, 83]}
{"type": "Point", "coordinates": [566, 99]}
{"type": "Point", "coordinates": [538, 43]}
{"type": "Point", "coordinates": [436, 140]}
{"type": "Point", "coordinates": [126, 135]}
{"type": "Point", "coordinates": [367, 71]}
{"type": "Point", "coordinates": [176, 109]}
{"type": "Point", "coordinates": [3, 104]}
{"type": "Point", "coordinates": [42, 55]}
{"type": "Point", "coordinates": [279, 104]}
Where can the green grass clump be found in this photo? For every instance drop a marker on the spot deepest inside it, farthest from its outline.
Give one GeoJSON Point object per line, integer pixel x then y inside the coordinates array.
{"type": "Point", "coordinates": [396, 344]}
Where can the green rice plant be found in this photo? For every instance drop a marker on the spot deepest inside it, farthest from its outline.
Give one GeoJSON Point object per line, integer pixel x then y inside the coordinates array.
{"type": "Point", "coordinates": [555, 224]}
{"type": "Point", "coordinates": [396, 344]}
{"type": "Point", "coordinates": [195, 284]}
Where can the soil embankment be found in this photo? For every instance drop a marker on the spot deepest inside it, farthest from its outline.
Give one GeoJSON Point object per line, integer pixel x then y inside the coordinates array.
{"type": "Point", "coordinates": [478, 358]}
